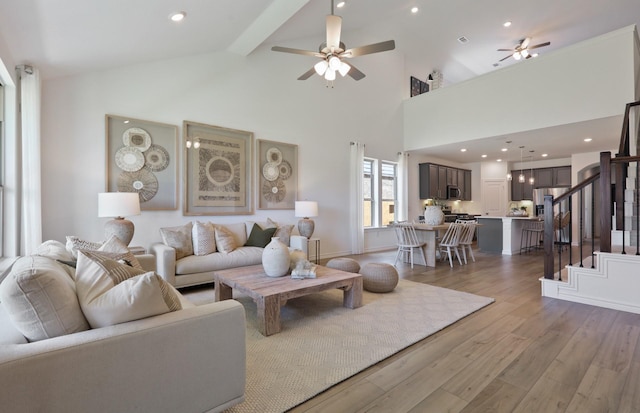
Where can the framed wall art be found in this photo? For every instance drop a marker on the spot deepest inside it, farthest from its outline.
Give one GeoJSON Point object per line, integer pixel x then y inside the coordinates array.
{"type": "Point", "coordinates": [277, 183]}
{"type": "Point", "coordinates": [142, 157]}
{"type": "Point", "coordinates": [218, 170]}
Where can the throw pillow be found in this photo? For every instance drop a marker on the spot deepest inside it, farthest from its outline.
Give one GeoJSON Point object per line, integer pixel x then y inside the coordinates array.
{"type": "Point", "coordinates": [179, 238]}
{"type": "Point", "coordinates": [260, 237]}
{"type": "Point", "coordinates": [111, 293]}
{"type": "Point", "coordinates": [115, 245]}
{"type": "Point", "coordinates": [283, 231]}
{"type": "Point", "coordinates": [74, 244]}
{"type": "Point", "coordinates": [53, 249]}
{"type": "Point", "coordinates": [40, 299]}
{"type": "Point", "coordinates": [204, 238]}
{"type": "Point", "coordinates": [225, 241]}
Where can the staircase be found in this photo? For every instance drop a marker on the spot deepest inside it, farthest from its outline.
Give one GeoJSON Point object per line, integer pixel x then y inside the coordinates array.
{"type": "Point", "coordinates": [610, 275]}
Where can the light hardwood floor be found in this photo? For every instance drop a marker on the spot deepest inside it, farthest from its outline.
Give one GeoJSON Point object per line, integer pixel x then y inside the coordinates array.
{"type": "Point", "coordinates": [523, 353]}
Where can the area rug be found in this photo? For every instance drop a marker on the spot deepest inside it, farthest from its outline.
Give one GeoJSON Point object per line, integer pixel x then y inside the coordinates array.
{"type": "Point", "coordinates": [323, 343]}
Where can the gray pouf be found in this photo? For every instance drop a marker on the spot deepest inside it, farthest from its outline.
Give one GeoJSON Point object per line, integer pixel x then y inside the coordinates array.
{"type": "Point", "coordinates": [344, 264]}
{"type": "Point", "coordinates": [379, 277]}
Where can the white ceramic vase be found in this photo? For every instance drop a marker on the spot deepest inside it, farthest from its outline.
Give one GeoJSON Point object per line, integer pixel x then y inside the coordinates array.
{"type": "Point", "coordinates": [275, 258]}
{"type": "Point", "coordinates": [433, 215]}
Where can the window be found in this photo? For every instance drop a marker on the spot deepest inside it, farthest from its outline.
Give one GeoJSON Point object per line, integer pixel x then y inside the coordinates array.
{"type": "Point", "coordinates": [380, 190]}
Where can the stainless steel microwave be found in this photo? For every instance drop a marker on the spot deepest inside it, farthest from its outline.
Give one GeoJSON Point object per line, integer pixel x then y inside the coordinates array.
{"type": "Point", "coordinates": [453, 192]}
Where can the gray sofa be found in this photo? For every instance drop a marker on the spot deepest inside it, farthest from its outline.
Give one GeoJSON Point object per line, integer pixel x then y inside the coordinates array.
{"type": "Point", "coordinates": [199, 269]}
{"type": "Point", "coordinates": [189, 360]}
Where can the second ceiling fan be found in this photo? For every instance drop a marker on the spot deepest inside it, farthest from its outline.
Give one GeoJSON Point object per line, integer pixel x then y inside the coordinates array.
{"type": "Point", "coordinates": [521, 51]}
{"type": "Point", "coordinates": [333, 52]}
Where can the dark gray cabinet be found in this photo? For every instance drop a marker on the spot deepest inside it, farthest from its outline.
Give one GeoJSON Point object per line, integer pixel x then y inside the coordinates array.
{"type": "Point", "coordinates": [435, 178]}
{"type": "Point", "coordinates": [521, 191]}
{"type": "Point", "coordinates": [562, 176]}
{"type": "Point", "coordinates": [552, 177]}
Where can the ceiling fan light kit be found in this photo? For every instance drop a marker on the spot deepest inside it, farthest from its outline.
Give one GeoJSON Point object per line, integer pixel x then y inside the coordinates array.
{"type": "Point", "coordinates": [521, 51]}
{"type": "Point", "coordinates": [333, 52]}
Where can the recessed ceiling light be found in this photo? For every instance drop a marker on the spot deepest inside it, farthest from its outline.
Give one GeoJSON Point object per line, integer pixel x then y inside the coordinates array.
{"type": "Point", "coordinates": [414, 10]}
{"type": "Point", "coordinates": [588, 139]}
{"type": "Point", "coordinates": [499, 160]}
{"type": "Point", "coordinates": [176, 17]}
{"type": "Point", "coordinates": [544, 155]}
{"type": "Point", "coordinates": [504, 149]}
{"type": "Point", "coordinates": [484, 155]}
{"type": "Point", "coordinates": [463, 150]}
{"type": "Point", "coordinates": [341, 4]}
{"type": "Point", "coordinates": [506, 24]}
{"type": "Point", "coordinates": [126, 121]}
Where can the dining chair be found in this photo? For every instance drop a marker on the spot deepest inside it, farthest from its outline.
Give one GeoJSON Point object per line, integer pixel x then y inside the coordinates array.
{"type": "Point", "coordinates": [407, 241]}
{"type": "Point", "coordinates": [466, 239]}
{"type": "Point", "coordinates": [450, 242]}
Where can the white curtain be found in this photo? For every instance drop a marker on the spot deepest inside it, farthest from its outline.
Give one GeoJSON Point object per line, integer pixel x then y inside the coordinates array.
{"type": "Point", "coordinates": [402, 209]}
{"type": "Point", "coordinates": [29, 147]}
{"type": "Point", "coordinates": [356, 206]}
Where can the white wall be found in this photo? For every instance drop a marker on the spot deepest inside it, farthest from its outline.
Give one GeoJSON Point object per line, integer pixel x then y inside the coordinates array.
{"type": "Point", "coordinates": [258, 93]}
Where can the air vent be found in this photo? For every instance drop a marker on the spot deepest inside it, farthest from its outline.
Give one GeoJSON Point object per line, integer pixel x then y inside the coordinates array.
{"type": "Point", "coordinates": [463, 39]}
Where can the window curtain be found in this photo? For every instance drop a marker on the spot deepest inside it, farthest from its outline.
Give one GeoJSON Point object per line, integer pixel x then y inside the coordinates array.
{"type": "Point", "coordinates": [29, 198]}
{"type": "Point", "coordinates": [356, 218]}
{"type": "Point", "coordinates": [403, 187]}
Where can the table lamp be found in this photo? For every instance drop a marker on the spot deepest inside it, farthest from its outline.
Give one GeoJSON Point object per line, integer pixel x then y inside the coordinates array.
{"type": "Point", "coordinates": [306, 209]}
{"type": "Point", "coordinates": [118, 205]}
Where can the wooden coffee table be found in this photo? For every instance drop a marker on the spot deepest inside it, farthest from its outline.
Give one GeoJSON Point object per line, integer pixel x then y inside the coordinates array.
{"type": "Point", "coordinates": [271, 293]}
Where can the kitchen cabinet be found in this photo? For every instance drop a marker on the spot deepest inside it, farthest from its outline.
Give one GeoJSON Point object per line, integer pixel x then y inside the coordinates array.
{"type": "Point", "coordinates": [562, 176]}
{"type": "Point", "coordinates": [435, 178]}
{"type": "Point", "coordinates": [552, 177]}
{"type": "Point", "coordinates": [521, 191]}
{"type": "Point", "coordinates": [543, 177]}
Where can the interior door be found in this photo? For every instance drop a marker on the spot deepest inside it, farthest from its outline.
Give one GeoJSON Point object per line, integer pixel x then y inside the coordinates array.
{"type": "Point", "coordinates": [494, 197]}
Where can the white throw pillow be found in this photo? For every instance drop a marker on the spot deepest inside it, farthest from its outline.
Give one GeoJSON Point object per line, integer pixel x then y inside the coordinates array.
{"type": "Point", "coordinates": [179, 238]}
{"type": "Point", "coordinates": [40, 299]}
{"type": "Point", "coordinates": [225, 240]}
{"type": "Point", "coordinates": [53, 249]}
{"type": "Point", "coordinates": [204, 238]}
{"type": "Point", "coordinates": [112, 293]}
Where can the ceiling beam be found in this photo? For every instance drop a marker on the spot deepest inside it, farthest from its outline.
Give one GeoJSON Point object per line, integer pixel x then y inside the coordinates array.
{"type": "Point", "coordinates": [265, 25]}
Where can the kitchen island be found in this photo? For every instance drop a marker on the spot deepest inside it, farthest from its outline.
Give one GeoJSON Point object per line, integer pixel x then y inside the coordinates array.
{"type": "Point", "coordinates": [501, 234]}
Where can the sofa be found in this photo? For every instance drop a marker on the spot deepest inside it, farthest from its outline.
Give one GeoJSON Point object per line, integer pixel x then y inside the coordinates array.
{"type": "Point", "coordinates": [52, 359]}
{"type": "Point", "coordinates": [191, 253]}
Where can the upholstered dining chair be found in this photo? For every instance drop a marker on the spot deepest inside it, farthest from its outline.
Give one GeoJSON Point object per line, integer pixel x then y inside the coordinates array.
{"type": "Point", "coordinates": [450, 242]}
{"type": "Point", "coordinates": [408, 241]}
{"type": "Point", "coordinates": [466, 239]}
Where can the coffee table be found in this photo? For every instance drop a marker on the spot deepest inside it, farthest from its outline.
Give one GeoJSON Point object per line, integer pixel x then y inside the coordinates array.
{"type": "Point", "coordinates": [271, 293]}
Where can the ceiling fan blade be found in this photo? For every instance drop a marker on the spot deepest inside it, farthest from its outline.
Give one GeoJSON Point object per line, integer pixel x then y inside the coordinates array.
{"type": "Point", "coordinates": [372, 48]}
{"type": "Point", "coordinates": [296, 51]}
{"type": "Point", "coordinates": [306, 75]}
{"type": "Point", "coordinates": [540, 45]}
{"type": "Point", "coordinates": [525, 43]}
{"type": "Point", "coordinates": [504, 58]}
{"type": "Point", "coordinates": [334, 26]}
{"type": "Point", "coordinates": [355, 73]}
{"type": "Point", "coordinates": [505, 50]}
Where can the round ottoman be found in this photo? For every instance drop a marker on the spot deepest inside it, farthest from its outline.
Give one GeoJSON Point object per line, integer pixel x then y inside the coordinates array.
{"type": "Point", "coordinates": [379, 277]}
{"type": "Point", "coordinates": [344, 264]}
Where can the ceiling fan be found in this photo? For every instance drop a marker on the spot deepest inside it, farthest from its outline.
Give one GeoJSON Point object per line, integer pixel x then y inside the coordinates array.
{"type": "Point", "coordinates": [333, 53]}
{"type": "Point", "coordinates": [521, 51]}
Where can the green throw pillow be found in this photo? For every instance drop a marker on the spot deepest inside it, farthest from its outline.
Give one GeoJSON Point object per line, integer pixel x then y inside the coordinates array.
{"type": "Point", "coordinates": [260, 237]}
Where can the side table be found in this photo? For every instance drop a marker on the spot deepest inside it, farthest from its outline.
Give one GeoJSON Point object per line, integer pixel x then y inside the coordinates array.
{"type": "Point", "coordinates": [315, 241]}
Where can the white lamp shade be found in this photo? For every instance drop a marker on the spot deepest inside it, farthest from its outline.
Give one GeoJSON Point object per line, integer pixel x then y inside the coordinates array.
{"type": "Point", "coordinates": [118, 204]}
{"type": "Point", "coordinates": [306, 209]}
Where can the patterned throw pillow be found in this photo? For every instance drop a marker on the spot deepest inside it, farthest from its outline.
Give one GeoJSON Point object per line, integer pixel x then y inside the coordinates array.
{"type": "Point", "coordinates": [111, 293]}
{"type": "Point", "coordinates": [204, 238]}
{"type": "Point", "coordinates": [283, 231]}
{"type": "Point", "coordinates": [114, 245]}
{"type": "Point", "coordinates": [260, 237]}
{"type": "Point", "coordinates": [225, 241]}
{"type": "Point", "coordinates": [74, 244]}
{"type": "Point", "coordinates": [178, 238]}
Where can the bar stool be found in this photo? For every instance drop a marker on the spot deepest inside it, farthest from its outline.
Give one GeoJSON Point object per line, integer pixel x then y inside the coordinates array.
{"type": "Point", "coordinates": [532, 231]}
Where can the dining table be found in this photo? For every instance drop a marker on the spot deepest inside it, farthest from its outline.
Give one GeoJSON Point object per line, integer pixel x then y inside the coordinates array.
{"type": "Point", "coordinates": [428, 233]}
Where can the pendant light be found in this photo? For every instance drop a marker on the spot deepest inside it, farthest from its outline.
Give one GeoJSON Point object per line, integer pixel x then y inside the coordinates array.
{"type": "Point", "coordinates": [532, 180]}
{"type": "Point", "coordinates": [521, 176]}
{"type": "Point", "coordinates": [509, 176]}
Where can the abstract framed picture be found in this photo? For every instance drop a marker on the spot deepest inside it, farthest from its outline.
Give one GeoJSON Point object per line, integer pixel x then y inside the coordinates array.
{"type": "Point", "coordinates": [277, 171]}
{"type": "Point", "coordinates": [218, 170]}
{"type": "Point", "coordinates": [142, 157]}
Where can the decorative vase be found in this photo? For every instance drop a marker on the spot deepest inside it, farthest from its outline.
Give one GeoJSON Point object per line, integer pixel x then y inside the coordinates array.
{"type": "Point", "coordinates": [275, 258]}
{"type": "Point", "coordinates": [433, 215]}
{"type": "Point", "coordinates": [296, 256]}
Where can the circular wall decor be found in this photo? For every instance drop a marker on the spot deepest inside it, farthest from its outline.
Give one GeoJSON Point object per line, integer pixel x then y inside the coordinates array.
{"type": "Point", "coordinates": [219, 171]}
{"type": "Point", "coordinates": [137, 138]}
{"type": "Point", "coordinates": [274, 191]}
{"type": "Point", "coordinates": [274, 156]}
{"type": "Point", "coordinates": [129, 159]}
{"type": "Point", "coordinates": [156, 158]}
{"type": "Point", "coordinates": [284, 169]}
{"type": "Point", "coordinates": [144, 182]}
{"type": "Point", "coordinates": [270, 171]}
